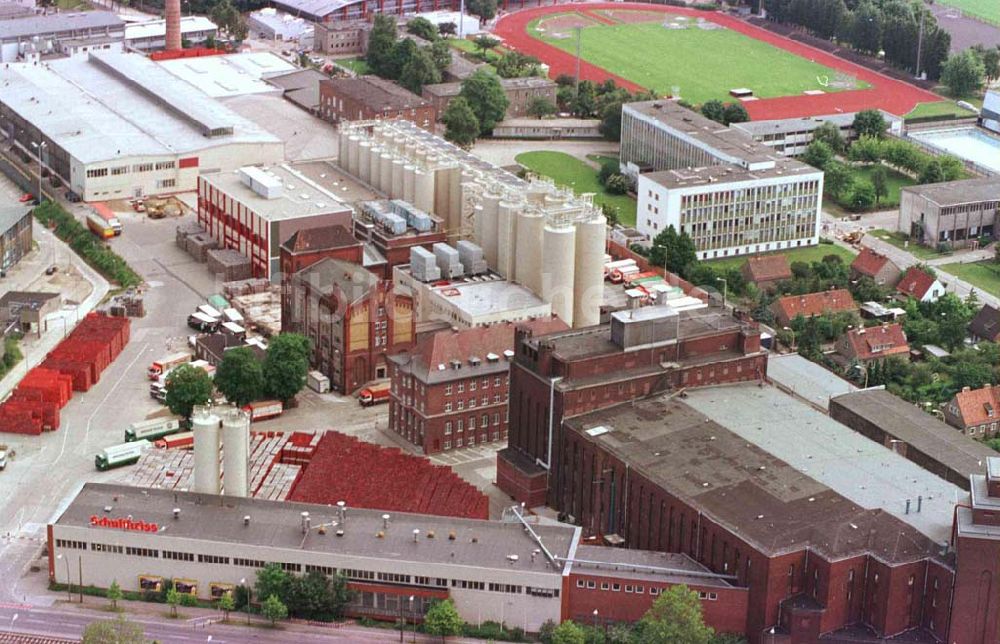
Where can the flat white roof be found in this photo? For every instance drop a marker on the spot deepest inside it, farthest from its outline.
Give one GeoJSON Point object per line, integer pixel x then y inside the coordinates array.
{"type": "Point", "coordinates": [231, 75]}
{"type": "Point", "coordinates": [107, 106]}
{"type": "Point", "coordinates": [300, 196]}
{"type": "Point", "coordinates": [488, 297]}
{"type": "Point", "coordinates": [158, 28]}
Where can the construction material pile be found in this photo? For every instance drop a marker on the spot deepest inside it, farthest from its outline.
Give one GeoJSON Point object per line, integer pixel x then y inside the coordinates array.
{"type": "Point", "coordinates": [75, 364]}
{"type": "Point", "coordinates": [128, 304]}
{"type": "Point", "coordinates": [228, 265]}
{"type": "Point", "coordinates": [262, 311]}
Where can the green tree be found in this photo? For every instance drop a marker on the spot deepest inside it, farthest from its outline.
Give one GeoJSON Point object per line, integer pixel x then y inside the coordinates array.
{"type": "Point", "coordinates": [484, 43]}
{"type": "Point", "coordinates": [837, 177]}
{"type": "Point", "coordinates": [829, 133]}
{"type": "Point", "coordinates": [540, 107]}
{"type": "Point", "coordinates": [187, 386]}
{"type": "Point", "coordinates": [381, 41]}
{"type": "Point", "coordinates": [880, 182]}
{"type": "Point", "coordinates": [869, 123]}
{"type": "Point", "coordinates": [442, 619]}
{"type": "Point", "coordinates": [447, 29]}
{"type": "Point", "coordinates": [715, 110]}
{"type": "Point", "coordinates": [286, 365]}
{"type": "Point", "coordinates": [675, 616]}
{"type": "Point", "coordinates": [226, 604]}
{"type": "Point", "coordinates": [862, 196]}
{"type": "Point", "coordinates": [616, 184]}
{"type": "Point", "coordinates": [114, 631]}
{"type": "Point", "coordinates": [272, 581]}
{"type": "Point", "coordinates": [868, 149]}
{"type": "Point", "coordinates": [545, 632]}
{"type": "Point", "coordinates": [971, 374]}
{"type": "Point", "coordinates": [441, 54]}
{"type": "Point", "coordinates": [866, 28]}
{"type": "Point", "coordinates": [991, 63]}
{"type": "Point", "coordinates": [114, 594]}
{"type": "Point", "coordinates": [273, 609]}
{"type": "Point", "coordinates": [963, 73]}
{"type": "Point", "coordinates": [173, 600]}
{"type": "Point", "coordinates": [486, 97]}
{"type": "Point", "coordinates": [933, 172]}
{"type": "Point", "coordinates": [818, 154]}
{"type": "Point", "coordinates": [735, 113]}
{"type": "Point", "coordinates": [486, 10]}
{"type": "Point", "coordinates": [569, 632]}
{"type": "Point", "coordinates": [422, 28]}
{"type": "Point", "coordinates": [514, 64]}
{"type": "Point", "coordinates": [401, 54]}
{"type": "Point", "coordinates": [611, 121]}
{"type": "Point", "coordinates": [674, 250]}
{"type": "Point", "coordinates": [585, 101]}
{"type": "Point", "coordinates": [229, 20]}
{"type": "Point", "coordinates": [461, 124]}
{"type": "Point", "coordinates": [240, 376]}
{"type": "Point", "coordinates": [419, 71]}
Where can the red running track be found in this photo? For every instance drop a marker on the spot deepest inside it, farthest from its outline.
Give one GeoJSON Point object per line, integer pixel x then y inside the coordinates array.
{"type": "Point", "coordinates": [889, 94]}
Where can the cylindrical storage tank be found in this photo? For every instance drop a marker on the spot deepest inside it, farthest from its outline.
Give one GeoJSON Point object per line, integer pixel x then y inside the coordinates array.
{"type": "Point", "coordinates": [385, 172]}
{"type": "Point", "coordinates": [487, 235]}
{"type": "Point", "coordinates": [342, 150]}
{"type": "Point", "coordinates": [374, 161]}
{"type": "Point", "coordinates": [364, 161]}
{"type": "Point", "coordinates": [236, 452]}
{"type": "Point", "coordinates": [423, 190]}
{"type": "Point", "coordinates": [507, 251]}
{"type": "Point", "coordinates": [558, 247]}
{"type": "Point", "coordinates": [455, 201]}
{"type": "Point", "coordinates": [528, 268]}
{"type": "Point", "coordinates": [205, 426]}
{"type": "Point", "coordinates": [588, 273]}
{"type": "Point", "coordinates": [353, 143]}
{"type": "Point", "coordinates": [443, 178]}
{"type": "Point", "coordinates": [398, 165]}
{"type": "Point", "coordinates": [409, 179]}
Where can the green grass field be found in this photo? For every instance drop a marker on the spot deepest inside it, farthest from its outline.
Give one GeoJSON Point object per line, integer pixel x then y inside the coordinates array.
{"type": "Point", "coordinates": [943, 109]}
{"type": "Point", "coordinates": [569, 171]}
{"type": "Point", "coordinates": [986, 10]}
{"type": "Point", "coordinates": [899, 240]}
{"type": "Point", "coordinates": [702, 64]}
{"type": "Point", "coordinates": [895, 182]}
{"type": "Point", "coordinates": [356, 65]}
{"type": "Point", "coordinates": [808, 254]}
{"type": "Point", "coordinates": [982, 275]}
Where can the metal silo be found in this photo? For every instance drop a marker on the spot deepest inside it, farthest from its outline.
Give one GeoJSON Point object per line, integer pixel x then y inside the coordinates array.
{"type": "Point", "coordinates": [205, 425]}
{"type": "Point", "coordinates": [588, 274]}
{"type": "Point", "coordinates": [236, 452]}
{"type": "Point", "coordinates": [558, 248]}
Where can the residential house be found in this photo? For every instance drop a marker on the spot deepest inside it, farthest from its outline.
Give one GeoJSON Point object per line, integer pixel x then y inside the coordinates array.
{"type": "Point", "coordinates": [974, 411]}
{"type": "Point", "coordinates": [766, 270]}
{"type": "Point", "coordinates": [786, 309]}
{"type": "Point", "coordinates": [986, 325]}
{"type": "Point", "coordinates": [877, 266]}
{"type": "Point", "coordinates": [873, 344]}
{"type": "Point", "coordinates": [920, 285]}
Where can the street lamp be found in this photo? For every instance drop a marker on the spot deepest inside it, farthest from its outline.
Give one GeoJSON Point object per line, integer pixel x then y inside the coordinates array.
{"type": "Point", "coordinates": [595, 618]}
{"type": "Point", "coordinates": [725, 289]}
{"type": "Point", "coordinates": [414, 619]}
{"type": "Point", "coordinates": [12, 620]}
{"type": "Point", "coordinates": [69, 582]}
{"type": "Point", "coordinates": [39, 147]}
{"type": "Point", "coordinates": [243, 582]}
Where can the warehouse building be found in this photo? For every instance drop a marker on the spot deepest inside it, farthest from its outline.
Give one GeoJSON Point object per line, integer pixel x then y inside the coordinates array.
{"type": "Point", "coordinates": [26, 38]}
{"type": "Point", "coordinates": [958, 213]}
{"type": "Point", "coordinates": [15, 235]}
{"type": "Point", "coordinates": [254, 210]}
{"type": "Point", "coordinates": [270, 24]}
{"type": "Point", "coordinates": [111, 127]}
{"type": "Point", "coordinates": [151, 35]}
{"type": "Point", "coordinates": [731, 194]}
{"type": "Point", "coordinates": [330, 11]}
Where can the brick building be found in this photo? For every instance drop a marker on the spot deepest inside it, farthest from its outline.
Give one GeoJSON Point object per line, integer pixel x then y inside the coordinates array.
{"type": "Point", "coordinates": [875, 265]}
{"type": "Point", "coordinates": [395, 246]}
{"type": "Point", "coordinates": [640, 352]}
{"type": "Point", "coordinates": [766, 271]}
{"type": "Point", "coordinates": [873, 344]}
{"type": "Point", "coordinates": [976, 619]}
{"type": "Point", "coordinates": [341, 37]}
{"type": "Point", "coordinates": [520, 93]}
{"type": "Point", "coordinates": [352, 318]}
{"type": "Point", "coordinates": [986, 325]}
{"type": "Point", "coordinates": [450, 391]}
{"type": "Point", "coordinates": [15, 235]}
{"type": "Point", "coordinates": [306, 247]}
{"type": "Point", "coordinates": [920, 285]}
{"type": "Point", "coordinates": [975, 411]}
{"type": "Point", "coordinates": [369, 97]}
{"type": "Point", "coordinates": [788, 308]}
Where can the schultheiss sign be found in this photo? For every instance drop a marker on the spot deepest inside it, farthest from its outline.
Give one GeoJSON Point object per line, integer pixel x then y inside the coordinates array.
{"type": "Point", "coordinates": [123, 524]}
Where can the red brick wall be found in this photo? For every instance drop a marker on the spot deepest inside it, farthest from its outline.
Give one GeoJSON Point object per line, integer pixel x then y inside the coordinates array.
{"type": "Point", "coordinates": [291, 264]}
{"type": "Point", "coordinates": [976, 619]}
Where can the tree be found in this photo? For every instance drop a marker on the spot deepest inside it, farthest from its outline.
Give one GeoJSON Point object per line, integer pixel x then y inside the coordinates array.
{"type": "Point", "coordinates": [545, 632]}
{"type": "Point", "coordinates": [173, 600]}
{"type": "Point", "coordinates": [971, 374]}
{"type": "Point", "coordinates": [735, 113]}
{"type": "Point", "coordinates": [933, 172]}
{"type": "Point", "coordinates": [229, 20]}
{"type": "Point", "coordinates": [866, 29]}
{"type": "Point", "coordinates": [617, 184]}
{"type": "Point", "coordinates": [272, 581]}
{"type": "Point", "coordinates": [862, 196]}
{"type": "Point", "coordinates": [611, 121]}
{"type": "Point", "coordinates": [419, 71]}
{"type": "Point", "coordinates": [286, 366]}
{"type": "Point", "coordinates": [514, 64]}
{"type": "Point", "coordinates": [402, 53]}
{"type": "Point", "coordinates": [240, 376]}
{"type": "Point", "coordinates": [187, 386]}
{"type": "Point", "coordinates": [422, 28]}
{"type": "Point", "coordinates": [715, 110]}
{"type": "Point", "coordinates": [447, 29]}
{"type": "Point", "coordinates": [880, 182]}
{"type": "Point", "coordinates": [585, 101]}
{"type": "Point", "coordinates": [675, 616]}
{"type": "Point", "coordinates": [113, 631]}
{"type": "Point", "coordinates": [818, 154]}
{"type": "Point", "coordinates": [837, 177]}
{"type": "Point", "coordinates": [114, 594]}
{"type": "Point", "coordinates": [273, 609]}
{"type": "Point", "coordinates": [381, 41]}
{"type": "Point", "coordinates": [613, 215]}
{"type": "Point", "coordinates": [441, 54]}
{"type": "Point", "coordinates": [569, 632]}
{"type": "Point", "coordinates": [991, 63]}
{"type": "Point", "coordinates": [461, 124]}
{"type": "Point", "coordinates": [442, 619]}
{"type": "Point", "coordinates": [673, 250]}
{"type": "Point", "coordinates": [226, 605]}
{"type": "Point", "coordinates": [869, 123]}
{"type": "Point", "coordinates": [484, 43]}
{"type": "Point", "coordinates": [829, 133]}
{"type": "Point", "coordinates": [540, 107]}
{"type": "Point", "coordinates": [963, 73]}
{"type": "Point", "coordinates": [486, 97]}
{"type": "Point", "coordinates": [485, 9]}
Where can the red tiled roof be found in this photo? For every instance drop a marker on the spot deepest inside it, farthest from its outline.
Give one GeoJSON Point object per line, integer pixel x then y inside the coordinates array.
{"type": "Point", "coordinates": [869, 262]}
{"type": "Point", "coordinates": [976, 405]}
{"type": "Point", "coordinates": [877, 342]}
{"type": "Point", "coordinates": [915, 283]}
{"type": "Point", "coordinates": [816, 303]}
{"type": "Point", "coordinates": [768, 268]}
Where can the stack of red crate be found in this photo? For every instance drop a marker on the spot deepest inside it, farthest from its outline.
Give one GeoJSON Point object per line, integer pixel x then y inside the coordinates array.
{"type": "Point", "coordinates": [74, 365]}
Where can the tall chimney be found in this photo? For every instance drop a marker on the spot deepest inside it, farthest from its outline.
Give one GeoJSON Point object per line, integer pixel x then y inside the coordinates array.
{"type": "Point", "coordinates": [173, 16]}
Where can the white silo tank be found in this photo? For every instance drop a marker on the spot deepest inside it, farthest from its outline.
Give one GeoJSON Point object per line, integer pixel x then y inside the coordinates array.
{"type": "Point", "coordinates": [374, 163]}
{"type": "Point", "coordinates": [507, 251]}
{"type": "Point", "coordinates": [558, 248]}
{"type": "Point", "coordinates": [530, 225]}
{"type": "Point", "coordinates": [342, 150]}
{"type": "Point", "coordinates": [588, 275]}
{"type": "Point", "coordinates": [385, 172]}
{"type": "Point", "coordinates": [364, 161]}
{"type": "Point", "coordinates": [398, 167]}
{"type": "Point", "coordinates": [455, 200]}
{"type": "Point", "coordinates": [487, 224]}
{"type": "Point", "coordinates": [442, 193]}
{"type": "Point", "coordinates": [409, 172]}
{"type": "Point", "coordinates": [353, 142]}
{"type": "Point", "coordinates": [423, 190]}
{"type": "Point", "coordinates": [205, 426]}
{"type": "Point", "coordinates": [236, 452]}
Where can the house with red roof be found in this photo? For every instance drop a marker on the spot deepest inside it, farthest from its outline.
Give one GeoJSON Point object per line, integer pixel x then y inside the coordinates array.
{"type": "Point", "coordinates": [920, 285]}
{"type": "Point", "coordinates": [786, 309]}
{"type": "Point", "coordinates": [975, 411]}
{"type": "Point", "coordinates": [766, 270]}
{"type": "Point", "coordinates": [876, 266]}
{"type": "Point", "coordinates": [873, 344]}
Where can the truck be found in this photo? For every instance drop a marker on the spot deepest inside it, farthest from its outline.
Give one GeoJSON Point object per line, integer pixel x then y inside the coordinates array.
{"type": "Point", "coordinates": [233, 329]}
{"type": "Point", "coordinates": [610, 266]}
{"type": "Point", "coordinates": [165, 364]}
{"type": "Point", "coordinates": [210, 311]}
{"type": "Point", "coordinates": [121, 455]}
{"type": "Point", "coordinates": [374, 394]}
{"type": "Point", "coordinates": [621, 273]}
{"type": "Point", "coordinates": [153, 428]}
{"type": "Point", "coordinates": [99, 226]}
{"type": "Point", "coordinates": [202, 322]}
{"type": "Point", "coordinates": [158, 389]}
{"type": "Point", "coordinates": [232, 315]}
{"type": "Point", "coordinates": [264, 409]}
{"type": "Point", "coordinates": [217, 301]}
{"type": "Point", "coordinates": [110, 219]}
{"type": "Point", "coordinates": [182, 440]}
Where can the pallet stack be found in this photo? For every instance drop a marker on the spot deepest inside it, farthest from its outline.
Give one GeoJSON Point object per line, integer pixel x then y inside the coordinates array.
{"type": "Point", "coordinates": [228, 265]}
{"type": "Point", "coordinates": [186, 230]}
{"type": "Point", "coordinates": [198, 246]}
{"type": "Point", "coordinates": [246, 287]}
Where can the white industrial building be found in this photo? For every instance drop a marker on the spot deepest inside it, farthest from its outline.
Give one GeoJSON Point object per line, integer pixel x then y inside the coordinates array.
{"type": "Point", "coordinates": [270, 24]}
{"type": "Point", "coordinates": [151, 35]}
{"type": "Point", "coordinates": [542, 237]}
{"type": "Point", "coordinates": [730, 193]}
{"type": "Point", "coordinates": [231, 74]}
{"type": "Point", "coordinates": [118, 126]}
{"type": "Point", "coordinates": [31, 36]}
{"type": "Point", "coordinates": [791, 137]}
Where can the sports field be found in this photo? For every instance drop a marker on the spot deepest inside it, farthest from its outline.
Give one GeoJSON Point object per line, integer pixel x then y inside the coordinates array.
{"type": "Point", "coordinates": [700, 60]}
{"type": "Point", "coordinates": [986, 10]}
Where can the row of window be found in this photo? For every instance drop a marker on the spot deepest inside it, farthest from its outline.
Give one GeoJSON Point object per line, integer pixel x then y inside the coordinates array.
{"type": "Point", "coordinates": [483, 423]}
{"type": "Point", "coordinates": [636, 589]}
{"type": "Point", "coordinates": [94, 173]}
{"type": "Point", "coordinates": [485, 383]}
{"type": "Point", "coordinates": [460, 404]}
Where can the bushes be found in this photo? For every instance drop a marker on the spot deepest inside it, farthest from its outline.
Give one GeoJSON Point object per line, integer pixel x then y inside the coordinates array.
{"type": "Point", "coordinates": [12, 354]}
{"type": "Point", "coordinates": [83, 242]}
{"type": "Point", "coordinates": [905, 156]}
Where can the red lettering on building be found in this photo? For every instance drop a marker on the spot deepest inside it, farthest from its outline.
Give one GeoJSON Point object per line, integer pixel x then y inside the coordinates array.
{"type": "Point", "coordinates": [123, 524]}
{"type": "Point", "coordinates": [190, 162]}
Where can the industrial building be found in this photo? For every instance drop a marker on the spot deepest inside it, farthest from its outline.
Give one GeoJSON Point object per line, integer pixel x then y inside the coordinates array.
{"type": "Point", "coordinates": [26, 311]}
{"type": "Point", "coordinates": [341, 37]}
{"type": "Point", "coordinates": [255, 209]}
{"type": "Point", "coordinates": [731, 194]}
{"type": "Point", "coordinates": [151, 35]}
{"type": "Point", "coordinates": [85, 110]}
{"type": "Point", "coordinates": [450, 391]}
{"type": "Point", "coordinates": [306, 247]}
{"type": "Point", "coordinates": [371, 97]}
{"type": "Point", "coordinates": [353, 319]}
{"type": "Point", "coordinates": [393, 228]}
{"type": "Point", "coordinates": [331, 11]}
{"type": "Point", "coordinates": [223, 76]}
{"type": "Point", "coordinates": [270, 24]}
{"type": "Point", "coordinates": [224, 430]}
{"type": "Point", "coordinates": [542, 237]}
{"type": "Point", "coordinates": [15, 235]}
{"type": "Point", "coordinates": [27, 38]}
{"type": "Point", "coordinates": [957, 213]}
{"type": "Point", "coordinates": [520, 93]}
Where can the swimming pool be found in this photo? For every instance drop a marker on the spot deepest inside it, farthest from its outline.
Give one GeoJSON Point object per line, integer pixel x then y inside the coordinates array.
{"type": "Point", "coordinates": [967, 143]}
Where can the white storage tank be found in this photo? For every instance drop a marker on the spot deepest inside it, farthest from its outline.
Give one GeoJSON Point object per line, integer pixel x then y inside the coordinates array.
{"type": "Point", "coordinates": [236, 452]}
{"type": "Point", "coordinates": [385, 172]}
{"type": "Point", "coordinates": [364, 161]}
{"type": "Point", "coordinates": [558, 248]}
{"type": "Point", "coordinates": [588, 272]}
{"type": "Point", "coordinates": [530, 225]}
{"type": "Point", "coordinates": [398, 166]}
{"type": "Point", "coordinates": [205, 426]}
{"type": "Point", "coordinates": [374, 161]}
{"type": "Point", "coordinates": [507, 251]}
{"type": "Point", "coordinates": [487, 225]}
{"type": "Point", "coordinates": [423, 190]}
{"type": "Point", "coordinates": [342, 150]}
{"type": "Point", "coordinates": [408, 182]}
{"type": "Point", "coordinates": [353, 143]}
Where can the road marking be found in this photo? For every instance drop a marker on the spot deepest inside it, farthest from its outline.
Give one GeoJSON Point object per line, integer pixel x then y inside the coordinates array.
{"type": "Point", "coordinates": [90, 420]}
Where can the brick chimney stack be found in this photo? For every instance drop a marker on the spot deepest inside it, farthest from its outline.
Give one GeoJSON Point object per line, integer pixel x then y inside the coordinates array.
{"type": "Point", "coordinates": [173, 16]}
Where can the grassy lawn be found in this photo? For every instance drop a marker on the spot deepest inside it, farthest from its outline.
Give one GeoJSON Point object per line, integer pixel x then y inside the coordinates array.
{"type": "Point", "coordinates": [702, 64]}
{"type": "Point", "coordinates": [982, 275]}
{"type": "Point", "coordinates": [986, 10]}
{"type": "Point", "coordinates": [356, 65]}
{"type": "Point", "coordinates": [569, 171]}
{"type": "Point", "coordinates": [808, 254]}
{"type": "Point", "coordinates": [943, 109]}
{"type": "Point", "coordinates": [895, 181]}
{"type": "Point", "coordinates": [898, 240]}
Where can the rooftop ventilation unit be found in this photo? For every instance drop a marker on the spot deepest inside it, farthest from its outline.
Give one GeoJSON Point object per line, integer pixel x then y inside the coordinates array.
{"type": "Point", "coordinates": [261, 182]}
